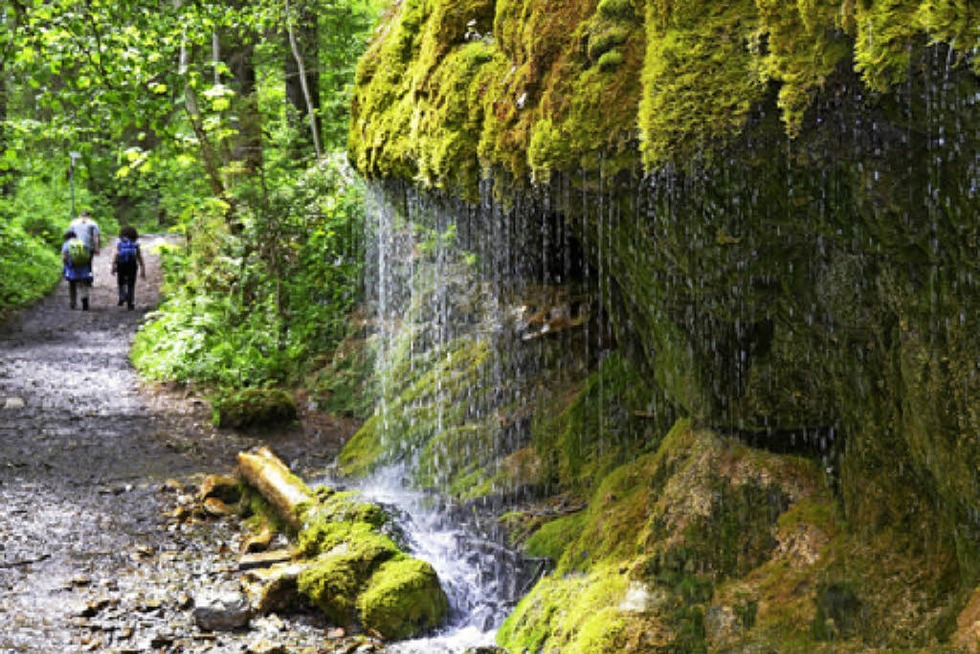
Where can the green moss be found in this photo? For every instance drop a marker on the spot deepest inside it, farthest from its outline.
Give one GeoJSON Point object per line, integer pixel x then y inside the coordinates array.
{"type": "Point", "coordinates": [606, 40]}
{"type": "Point", "coordinates": [839, 612]}
{"type": "Point", "coordinates": [610, 61]}
{"type": "Point", "coordinates": [364, 451]}
{"type": "Point", "coordinates": [703, 66]}
{"type": "Point", "coordinates": [562, 614]}
{"type": "Point", "coordinates": [335, 580]}
{"type": "Point", "coordinates": [661, 534]}
{"type": "Point", "coordinates": [258, 513]}
{"type": "Point", "coordinates": [428, 413]}
{"type": "Point", "coordinates": [616, 9]}
{"type": "Point", "coordinates": [590, 427]}
{"type": "Point", "coordinates": [330, 520]}
{"type": "Point", "coordinates": [804, 48]}
{"type": "Point", "coordinates": [254, 408]}
{"type": "Point", "coordinates": [552, 538]}
{"type": "Point", "coordinates": [403, 599]}
{"type": "Point", "coordinates": [701, 80]}
{"type": "Point", "coordinates": [548, 148]}
{"type": "Point", "coordinates": [455, 457]}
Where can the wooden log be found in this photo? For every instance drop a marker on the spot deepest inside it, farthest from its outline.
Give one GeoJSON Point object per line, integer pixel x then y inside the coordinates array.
{"type": "Point", "coordinates": [358, 575]}
{"type": "Point", "coordinates": [286, 492]}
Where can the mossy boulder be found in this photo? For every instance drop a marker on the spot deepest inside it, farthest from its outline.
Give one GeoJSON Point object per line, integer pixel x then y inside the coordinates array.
{"type": "Point", "coordinates": [710, 545]}
{"type": "Point", "coordinates": [359, 576]}
{"type": "Point", "coordinates": [362, 578]}
{"type": "Point", "coordinates": [403, 598]}
{"type": "Point", "coordinates": [339, 575]}
{"type": "Point", "coordinates": [345, 548]}
{"type": "Point", "coordinates": [254, 408]}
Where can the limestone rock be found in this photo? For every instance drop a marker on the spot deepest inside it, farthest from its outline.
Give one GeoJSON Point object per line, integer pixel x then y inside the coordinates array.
{"type": "Point", "coordinates": [222, 610]}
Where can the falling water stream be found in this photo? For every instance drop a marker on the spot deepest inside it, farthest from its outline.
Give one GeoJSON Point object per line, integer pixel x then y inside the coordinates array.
{"type": "Point", "coordinates": [481, 578]}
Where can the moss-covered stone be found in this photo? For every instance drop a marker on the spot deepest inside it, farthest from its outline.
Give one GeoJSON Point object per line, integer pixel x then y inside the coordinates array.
{"type": "Point", "coordinates": [708, 545]}
{"type": "Point", "coordinates": [339, 575]}
{"type": "Point", "coordinates": [403, 599]}
{"type": "Point", "coordinates": [254, 408]}
{"type": "Point", "coordinates": [360, 577]}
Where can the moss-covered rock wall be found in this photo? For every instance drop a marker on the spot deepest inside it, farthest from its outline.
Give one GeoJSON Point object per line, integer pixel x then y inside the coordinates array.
{"type": "Point", "coordinates": [778, 204]}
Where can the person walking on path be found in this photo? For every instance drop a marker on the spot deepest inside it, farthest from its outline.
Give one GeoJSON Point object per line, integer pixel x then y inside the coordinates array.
{"type": "Point", "coordinates": [88, 230]}
{"type": "Point", "coordinates": [125, 262]}
{"type": "Point", "coordinates": [77, 269]}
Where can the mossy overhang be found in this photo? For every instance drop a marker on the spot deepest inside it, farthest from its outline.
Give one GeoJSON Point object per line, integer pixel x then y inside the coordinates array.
{"type": "Point", "coordinates": [450, 91]}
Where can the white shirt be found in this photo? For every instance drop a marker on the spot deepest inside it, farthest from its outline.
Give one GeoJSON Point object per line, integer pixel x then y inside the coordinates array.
{"type": "Point", "coordinates": [86, 229]}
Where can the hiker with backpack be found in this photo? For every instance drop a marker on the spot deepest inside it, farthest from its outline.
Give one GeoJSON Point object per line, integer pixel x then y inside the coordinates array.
{"type": "Point", "coordinates": [126, 260]}
{"type": "Point", "coordinates": [77, 259]}
{"type": "Point", "coordinates": [88, 230]}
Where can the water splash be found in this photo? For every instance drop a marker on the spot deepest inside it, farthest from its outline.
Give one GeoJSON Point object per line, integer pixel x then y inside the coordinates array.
{"type": "Point", "coordinates": [482, 579]}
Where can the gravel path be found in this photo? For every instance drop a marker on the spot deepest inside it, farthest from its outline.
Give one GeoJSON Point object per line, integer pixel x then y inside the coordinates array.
{"type": "Point", "coordinates": [91, 462]}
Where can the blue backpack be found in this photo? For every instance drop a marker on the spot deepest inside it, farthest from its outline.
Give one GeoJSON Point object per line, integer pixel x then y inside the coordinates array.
{"type": "Point", "coordinates": [126, 252]}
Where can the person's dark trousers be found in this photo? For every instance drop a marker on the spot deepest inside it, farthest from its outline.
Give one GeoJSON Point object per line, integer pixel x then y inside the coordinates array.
{"type": "Point", "coordinates": [127, 286]}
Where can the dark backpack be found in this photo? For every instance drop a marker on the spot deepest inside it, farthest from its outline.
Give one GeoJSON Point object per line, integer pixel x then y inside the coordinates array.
{"type": "Point", "coordinates": [78, 254]}
{"type": "Point", "coordinates": [126, 252]}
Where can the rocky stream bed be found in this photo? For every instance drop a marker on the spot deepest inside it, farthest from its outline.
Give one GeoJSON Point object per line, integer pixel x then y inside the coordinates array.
{"type": "Point", "coordinates": [103, 547]}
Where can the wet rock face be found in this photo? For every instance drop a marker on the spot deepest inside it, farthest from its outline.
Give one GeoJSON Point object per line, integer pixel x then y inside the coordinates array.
{"type": "Point", "coordinates": [790, 258]}
{"type": "Point", "coordinates": [800, 260]}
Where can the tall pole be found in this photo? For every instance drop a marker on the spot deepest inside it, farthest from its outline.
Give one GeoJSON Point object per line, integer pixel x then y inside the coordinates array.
{"type": "Point", "coordinates": [71, 180]}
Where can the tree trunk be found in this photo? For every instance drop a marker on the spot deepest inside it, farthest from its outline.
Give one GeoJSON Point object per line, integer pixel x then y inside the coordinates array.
{"type": "Point", "coordinates": [208, 155]}
{"type": "Point", "coordinates": [303, 71]}
{"type": "Point", "coordinates": [246, 147]}
{"type": "Point", "coordinates": [6, 180]}
{"type": "Point", "coordinates": [286, 492]}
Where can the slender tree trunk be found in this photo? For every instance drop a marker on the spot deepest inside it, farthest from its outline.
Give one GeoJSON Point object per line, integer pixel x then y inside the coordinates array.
{"type": "Point", "coordinates": [246, 147]}
{"type": "Point", "coordinates": [303, 80]}
{"type": "Point", "coordinates": [209, 158]}
{"type": "Point", "coordinates": [6, 181]}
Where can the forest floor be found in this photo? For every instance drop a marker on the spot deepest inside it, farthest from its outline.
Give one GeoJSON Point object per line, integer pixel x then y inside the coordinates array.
{"type": "Point", "coordinates": [93, 463]}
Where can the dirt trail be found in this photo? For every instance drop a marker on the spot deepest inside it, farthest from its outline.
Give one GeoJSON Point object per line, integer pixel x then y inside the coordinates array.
{"type": "Point", "coordinates": [88, 561]}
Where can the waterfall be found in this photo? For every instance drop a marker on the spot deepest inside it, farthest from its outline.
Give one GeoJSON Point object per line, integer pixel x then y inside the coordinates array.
{"type": "Point", "coordinates": [472, 312]}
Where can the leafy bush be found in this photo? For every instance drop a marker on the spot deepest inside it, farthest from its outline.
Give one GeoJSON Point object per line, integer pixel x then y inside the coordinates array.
{"type": "Point", "coordinates": [248, 307]}
{"type": "Point", "coordinates": [29, 267]}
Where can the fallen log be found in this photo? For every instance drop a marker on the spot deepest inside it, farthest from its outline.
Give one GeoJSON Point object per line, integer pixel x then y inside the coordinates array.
{"type": "Point", "coordinates": [354, 572]}
{"type": "Point", "coordinates": [286, 492]}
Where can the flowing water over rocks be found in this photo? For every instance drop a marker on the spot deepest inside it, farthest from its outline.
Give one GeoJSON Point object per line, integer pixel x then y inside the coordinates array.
{"type": "Point", "coordinates": [92, 467]}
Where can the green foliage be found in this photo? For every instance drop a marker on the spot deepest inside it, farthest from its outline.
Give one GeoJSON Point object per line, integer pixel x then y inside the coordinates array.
{"type": "Point", "coordinates": [29, 266]}
{"type": "Point", "coordinates": [248, 309]}
{"type": "Point", "coordinates": [133, 91]}
{"type": "Point", "coordinates": [346, 386]}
